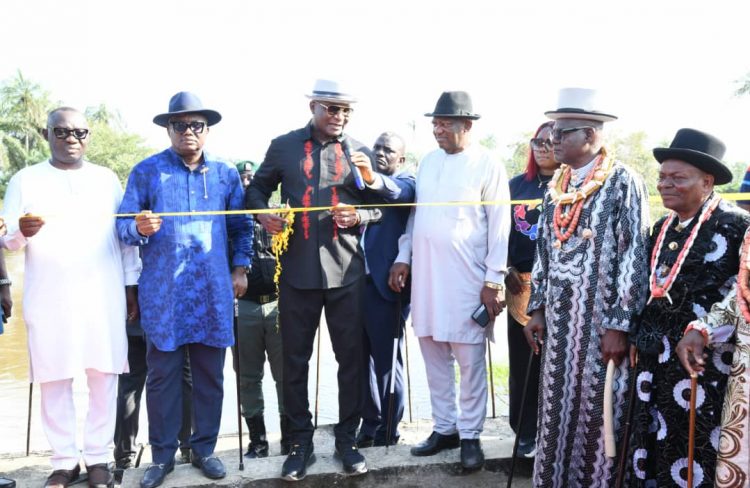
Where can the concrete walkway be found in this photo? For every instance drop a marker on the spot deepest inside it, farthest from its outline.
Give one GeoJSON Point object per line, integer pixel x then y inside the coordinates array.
{"type": "Point", "coordinates": [394, 466]}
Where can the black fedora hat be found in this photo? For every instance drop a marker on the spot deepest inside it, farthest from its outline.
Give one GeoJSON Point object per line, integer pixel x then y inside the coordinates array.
{"type": "Point", "coordinates": [454, 104]}
{"type": "Point", "coordinates": [186, 103]}
{"type": "Point", "coordinates": [698, 149]}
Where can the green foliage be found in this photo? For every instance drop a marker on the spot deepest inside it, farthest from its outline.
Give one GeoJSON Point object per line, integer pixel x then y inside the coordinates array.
{"type": "Point", "coordinates": [23, 115]}
{"type": "Point", "coordinates": [519, 155]}
{"type": "Point", "coordinates": [743, 86]}
{"type": "Point", "coordinates": [115, 149]}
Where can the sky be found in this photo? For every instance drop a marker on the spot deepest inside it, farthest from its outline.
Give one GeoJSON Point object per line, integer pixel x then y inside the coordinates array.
{"type": "Point", "coordinates": [658, 65]}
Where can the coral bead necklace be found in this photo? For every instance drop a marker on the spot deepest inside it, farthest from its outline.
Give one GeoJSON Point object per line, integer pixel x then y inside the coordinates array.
{"type": "Point", "coordinates": [661, 291]}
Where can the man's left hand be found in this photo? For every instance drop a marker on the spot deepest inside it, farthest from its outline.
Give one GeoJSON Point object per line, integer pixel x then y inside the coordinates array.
{"type": "Point", "coordinates": [239, 281]}
{"type": "Point", "coordinates": [362, 161]}
{"type": "Point", "coordinates": [614, 346]}
{"type": "Point", "coordinates": [5, 300]}
{"type": "Point", "coordinates": [131, 300]}
{"type": "Point", "coordinates": [345, 216]}
{"type": "Point", "coordinates": [494, 300]}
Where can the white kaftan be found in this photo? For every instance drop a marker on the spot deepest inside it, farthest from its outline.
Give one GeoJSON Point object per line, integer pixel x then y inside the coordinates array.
{"type": "Point", "coordinates": [76, 269]}
{"type": "Point", "coordinates": [454, 249]}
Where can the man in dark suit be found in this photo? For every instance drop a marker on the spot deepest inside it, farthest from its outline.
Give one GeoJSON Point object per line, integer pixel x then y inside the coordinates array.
{"type": "Point", "coordinates": [324, 264]}
{"type": "Point", "coordinates": [385, 314]}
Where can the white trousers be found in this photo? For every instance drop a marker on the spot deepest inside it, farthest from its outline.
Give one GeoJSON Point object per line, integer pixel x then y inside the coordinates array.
{"type": "Point", "coordinates": [439, 359]}
{"type": "Point", "coordinates": [59, 420]}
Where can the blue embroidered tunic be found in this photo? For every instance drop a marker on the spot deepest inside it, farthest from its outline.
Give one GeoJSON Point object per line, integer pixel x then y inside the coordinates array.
{"type": "Point", "coordinates": [185, 289]}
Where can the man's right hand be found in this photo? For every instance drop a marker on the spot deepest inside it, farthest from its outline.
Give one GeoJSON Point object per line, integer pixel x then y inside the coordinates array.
{"type": "Point", "coordinates": [534, 330]}
{"type": "Point", "coordinates": [147, 224]}
{"type": "Point", "coordinates": [397, 276]}
{"type": "Point", "coordinates": [271, 222]}
{"type": "Point", "coordinates": [29, 225]}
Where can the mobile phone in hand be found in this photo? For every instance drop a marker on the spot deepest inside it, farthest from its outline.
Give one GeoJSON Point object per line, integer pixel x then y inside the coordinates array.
{"type": "Point", "coordinates": [481, 316]}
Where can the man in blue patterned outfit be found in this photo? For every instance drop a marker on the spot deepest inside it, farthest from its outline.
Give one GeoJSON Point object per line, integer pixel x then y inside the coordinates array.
{"type": "Point", "coordinates": [186, 290]}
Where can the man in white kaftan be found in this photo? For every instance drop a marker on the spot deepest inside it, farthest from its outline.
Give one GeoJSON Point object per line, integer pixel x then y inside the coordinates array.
{"type": "Point", "coordinates": [74, 300]}
{"type": "Point", "coordinates": [458, 254]}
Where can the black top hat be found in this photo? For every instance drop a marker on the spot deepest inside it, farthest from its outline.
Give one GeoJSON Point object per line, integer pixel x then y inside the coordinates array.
{"type": "Point", "coordinates": [454, 104]}
{"type": "Point", "coordinates": [186, 103]}
{"type": "Point", "coordinates": [698, 149]}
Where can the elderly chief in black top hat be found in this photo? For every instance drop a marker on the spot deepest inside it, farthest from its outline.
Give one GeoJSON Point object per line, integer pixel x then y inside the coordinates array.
{"type": "Point", "coordinates": [694, 262]}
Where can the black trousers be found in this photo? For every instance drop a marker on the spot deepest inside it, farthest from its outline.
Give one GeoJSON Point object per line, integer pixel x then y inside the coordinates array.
{"type": "Point", "coordinates": [299, 318]}
{"type": "Point", "coordinates": [129, 390]}
{"type": "Point", "coordinates": [518, 355]}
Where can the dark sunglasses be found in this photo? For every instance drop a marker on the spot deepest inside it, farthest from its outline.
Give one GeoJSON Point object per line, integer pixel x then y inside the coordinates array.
{"type": "Point", "coordinates": [182, 127]}
{"type": "Point", "coordinates": [62, 133]}
{"type": "Point", "coordinates": [539, 143]}
{"type": "Point", "coordinates": [333, 110]}
{"type": "Point", "coordinates": [558, 134]}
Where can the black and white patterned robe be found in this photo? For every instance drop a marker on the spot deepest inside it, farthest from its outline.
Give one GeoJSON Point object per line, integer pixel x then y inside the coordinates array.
{"type": "Point", "coordinates": [587, 286]}
{"type": "Point", "coordinates": [660, 426]}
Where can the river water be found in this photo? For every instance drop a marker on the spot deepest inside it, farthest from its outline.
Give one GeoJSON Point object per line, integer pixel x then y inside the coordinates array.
{"type": "Point", "coordinates": [14, 384]}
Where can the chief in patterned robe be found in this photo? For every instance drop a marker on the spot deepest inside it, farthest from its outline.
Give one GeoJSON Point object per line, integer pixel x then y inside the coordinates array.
{"type": "Point", "coordinates": [660, 422]}
{"type": "Point", "coordinates": [694, 261]}
{"type": "Point", "coordinates": [596, 280]}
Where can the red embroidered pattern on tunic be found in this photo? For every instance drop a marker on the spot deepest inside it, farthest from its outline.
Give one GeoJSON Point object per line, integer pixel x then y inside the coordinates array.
{"type": "Point", "coordinates": [306, 200]}
{"type": "Point", "coordinates": [308, 164]}
{"type": "Point", "coordinates": [307, 167]}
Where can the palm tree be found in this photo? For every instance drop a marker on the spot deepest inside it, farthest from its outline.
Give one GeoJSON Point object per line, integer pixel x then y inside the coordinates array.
{"type": "Point", "coordinates": [23, 115]}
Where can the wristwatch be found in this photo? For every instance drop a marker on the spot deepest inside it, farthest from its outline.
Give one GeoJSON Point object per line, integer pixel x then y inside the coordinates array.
{"type": "Point", "coordinates": [5, 281]}
{"type": "Point", "coordinates": [494, 286]}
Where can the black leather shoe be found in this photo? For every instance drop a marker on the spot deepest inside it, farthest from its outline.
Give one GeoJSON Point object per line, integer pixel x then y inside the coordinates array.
{"type": "Point", "coordinates": [472, 456]}
{"type": "Point", "coordinates": [100, 476]}
{"type": "Point", "coordinates": [353, 461]}
{"type": "Point", "coordinates": [211, 466]}
{"type": "Point", "coordinates": [61, 478]}
{"type": "Point", "coordinates": [364, 440]}
{"type": "Point", "coordinates": [435, 443]}
{"type": "Point", "coordinates": [300, 457]}
{"type": "Point", "coordinates": [7, 483]}
{"type": "Point", "coordinates": [155, 474]}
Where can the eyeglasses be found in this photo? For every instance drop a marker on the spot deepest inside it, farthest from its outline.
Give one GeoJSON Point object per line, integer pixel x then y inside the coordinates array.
{"type": "Point", "coordinates": [558, 134]}
{"type": "Point", "coordinates": [539, 143]}
{"type": "Point", "coordinates": [334, 110]}
{"type": "Point", "coordinates": [182, 127]}
{"type": "Point", "coordinates": [63, 133]}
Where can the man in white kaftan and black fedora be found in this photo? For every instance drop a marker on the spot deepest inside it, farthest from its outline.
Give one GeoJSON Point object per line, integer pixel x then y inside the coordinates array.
{"type": "Point", "coordinates": [458, 262]}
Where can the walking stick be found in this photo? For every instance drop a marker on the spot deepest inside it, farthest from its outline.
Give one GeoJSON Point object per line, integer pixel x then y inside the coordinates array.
{"type": "Point", "coordinates": [317, 380]}
{"type": "Point", "coordinates": [609, 426]}
{"type": "Point", "coordinates": [408, 375]}
{"type": "Point", "coordinates": [28, 419]}
{"type": "Point", "coordinates": [626, 431]}
{"type": "Point", "coordinates": [520, 417]}
{"type": "Point", "coordinates": [492, 378]}
{"type": "Point", "coordinates": [237, 376]}
{"type": "Point", "coordinates": [396, 337]}
{"type": "Point", "coordinates": [691, 427]}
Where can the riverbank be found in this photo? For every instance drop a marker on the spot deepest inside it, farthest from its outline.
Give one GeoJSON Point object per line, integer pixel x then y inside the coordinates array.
{"type": "Point", "coordinates": [394, 466]}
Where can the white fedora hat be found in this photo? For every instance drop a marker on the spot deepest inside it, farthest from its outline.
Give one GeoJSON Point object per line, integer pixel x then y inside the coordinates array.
{"type": "Point", "coordinates": [578, 103]}
{"type": "Point", "coordinates": [330, 91]}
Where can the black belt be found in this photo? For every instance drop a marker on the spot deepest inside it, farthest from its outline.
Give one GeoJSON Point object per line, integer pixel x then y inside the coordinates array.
{"type": "Point", "coordinates": [263, 299]}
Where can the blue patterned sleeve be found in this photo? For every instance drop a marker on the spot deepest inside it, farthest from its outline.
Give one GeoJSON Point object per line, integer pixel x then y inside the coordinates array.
{"type": "Point", "coordinates": [239, 226]}
{"type": "Point", "coordinates": [134, 200]}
